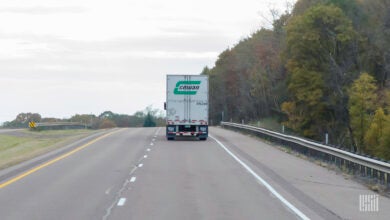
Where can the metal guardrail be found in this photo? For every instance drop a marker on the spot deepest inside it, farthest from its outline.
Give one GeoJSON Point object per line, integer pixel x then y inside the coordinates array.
{"type": "Point", "coordinates": [366, 167]}
{"type": "Point", "coordinates": [40, 124]}
{"type": "Point", "coordinates": [58, 125]}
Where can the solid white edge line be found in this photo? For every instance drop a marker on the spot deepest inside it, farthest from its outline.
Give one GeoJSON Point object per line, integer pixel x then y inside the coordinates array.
{"type": "Point", "coordinates": [132, 180]}
{"type": "Point", "coordinates": [121, 202]}
{"type": "Point", "coordinates": [268, 186]}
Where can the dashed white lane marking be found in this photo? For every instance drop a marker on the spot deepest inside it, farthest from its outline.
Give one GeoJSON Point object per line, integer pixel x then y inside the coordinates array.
{"type": "Point", "coordinates": [158, 130]}
{"type": "Point", "coordinates": [151, 144]}
{"type": "Point", "coordinates": [145, 156]}
{"type": "Point", "coordinates": [132, 180]}
{"type": "Point", "coordinates": [121, 202]}
{"type": "Point", "coordinates": [108, 191]}
{"type": "Point", "coordinates": [262, 181]}
{"type": "Point", "coordinates": [148, 149]}
{"type": "Point", "coordinates": [153, 139]}
{"type": "Point", "coordinates": [132, 170]}
{"type": "Point", "coordinates": [140, 165]}
{"type": "Point", "coordinates": [141, 158]}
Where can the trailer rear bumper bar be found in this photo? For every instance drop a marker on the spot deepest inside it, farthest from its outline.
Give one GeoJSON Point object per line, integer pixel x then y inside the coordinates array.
{"type": "Point", "coordinates": [200, 131]}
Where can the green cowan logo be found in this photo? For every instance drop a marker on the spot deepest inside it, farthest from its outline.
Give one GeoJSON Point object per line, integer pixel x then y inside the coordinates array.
{"type": "Point", "coordinates": [186, 88]}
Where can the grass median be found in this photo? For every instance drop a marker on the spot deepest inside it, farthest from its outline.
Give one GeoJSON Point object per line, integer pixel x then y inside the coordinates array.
{"type": "Point", "coordinates": [21, 145]}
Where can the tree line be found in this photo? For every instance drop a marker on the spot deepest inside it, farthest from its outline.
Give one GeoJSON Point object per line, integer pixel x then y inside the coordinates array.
{"type": "Point", "coordinates": [108, 119]}
{"type": "Point", "coordinates": [323, 67]}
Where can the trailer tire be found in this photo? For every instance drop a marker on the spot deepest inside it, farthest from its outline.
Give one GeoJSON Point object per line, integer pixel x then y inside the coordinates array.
{"type": "Point", "coordinates": [170, 138]}
{"type": "Point", "coordinates": [202, 139]}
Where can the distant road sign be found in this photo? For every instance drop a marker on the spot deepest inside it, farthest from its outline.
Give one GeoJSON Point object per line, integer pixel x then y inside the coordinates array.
{"type": "Point", "coordinates": [31, 124]}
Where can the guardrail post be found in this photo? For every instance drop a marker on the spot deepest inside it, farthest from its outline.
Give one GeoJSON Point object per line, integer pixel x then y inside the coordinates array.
{"type": "Point", "coordinates": [370, 172]}
{"type": "Point", "coordinates": [326, 138]}
{"type": "Point", "coordinates": [351, 167]}
{"type": "Point", "coordinates": [357, 168]}
{"type": "Point", "coordinates": [381, 177]}
{"type": "Point", "coordinates": [363, 170]}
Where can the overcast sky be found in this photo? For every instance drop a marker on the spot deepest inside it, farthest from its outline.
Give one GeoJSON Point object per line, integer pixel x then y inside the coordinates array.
{"type": "Point", "coordinates": [59, 58]}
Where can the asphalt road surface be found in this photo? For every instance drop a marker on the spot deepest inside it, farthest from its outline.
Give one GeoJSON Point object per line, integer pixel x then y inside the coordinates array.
{"type": "Point", "coordinates": [136, 173]}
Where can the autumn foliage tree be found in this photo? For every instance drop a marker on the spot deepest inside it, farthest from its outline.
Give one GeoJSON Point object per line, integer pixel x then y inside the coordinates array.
{"type": "Point", "coordinates": [374, 139]}
{"type": "Point", "coordinates": [308, 72]}
{"type": "Point", "coordinates": [319, 43]}
{"type": "Point", "coordinates": [362, 103]}
{"type": "Point", "coordinates": [248, 80]}
{"type": "Point", "coordinates": [107, 123]}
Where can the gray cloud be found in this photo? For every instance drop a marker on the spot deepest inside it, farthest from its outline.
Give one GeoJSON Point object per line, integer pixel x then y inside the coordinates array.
{"type": "Point", "coordinates": [43, 10]}
{"type": "Point", "coordinates": [191, 43]}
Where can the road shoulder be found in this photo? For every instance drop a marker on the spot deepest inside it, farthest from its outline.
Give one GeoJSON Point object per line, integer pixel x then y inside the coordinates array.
{"type": "Point", "coordinates": [312, 187]}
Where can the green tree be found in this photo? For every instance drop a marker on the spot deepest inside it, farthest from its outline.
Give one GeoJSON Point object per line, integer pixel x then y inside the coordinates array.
{"type": "Point", "coordinates": [82, 118]}
{"type": "Point", "coordinates": [22, 120]}
{"type": "Point", "coordinates": [362, 103]}
{"type": "Point", "coordinates": [149, 121]}
{"type": "Point", "coordinates": [50, 120]}
{"type": "Point", "coordinates": [107, 114]}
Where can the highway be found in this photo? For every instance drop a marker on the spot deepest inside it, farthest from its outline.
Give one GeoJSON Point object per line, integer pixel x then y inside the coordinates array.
{"type": "Point", "coordinates": [135, 173]}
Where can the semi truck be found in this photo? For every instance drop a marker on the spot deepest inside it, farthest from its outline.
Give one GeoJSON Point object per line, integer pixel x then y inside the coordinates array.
{"type": "Point", "coordinates": [187, 106]}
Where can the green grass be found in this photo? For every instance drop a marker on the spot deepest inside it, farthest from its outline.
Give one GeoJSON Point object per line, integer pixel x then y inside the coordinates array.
{"type": "Point", "coordinates": [23, 145]}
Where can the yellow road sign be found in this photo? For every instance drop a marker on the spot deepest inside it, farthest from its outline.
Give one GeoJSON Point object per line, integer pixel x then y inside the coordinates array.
{"type": "Point", "coordinates": [31, 124]}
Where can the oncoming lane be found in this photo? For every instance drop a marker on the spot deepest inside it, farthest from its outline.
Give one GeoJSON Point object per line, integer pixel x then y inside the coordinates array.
{"type": "Point", "coordinates": [80, 186]}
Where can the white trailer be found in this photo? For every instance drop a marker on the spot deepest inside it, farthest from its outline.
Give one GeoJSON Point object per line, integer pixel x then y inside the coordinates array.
{"type": "Point", "coordinates": [187, 106]}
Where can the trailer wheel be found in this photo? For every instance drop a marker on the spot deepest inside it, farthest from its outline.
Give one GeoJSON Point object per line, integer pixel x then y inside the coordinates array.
{"type": "Point", "coordinates": [170, 138]}
{"type": "Point", "coordinates": [202, 139]}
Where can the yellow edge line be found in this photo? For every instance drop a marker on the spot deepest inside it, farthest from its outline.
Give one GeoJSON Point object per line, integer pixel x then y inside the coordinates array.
{"type": "Point", "coordinates": [21, 176]}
